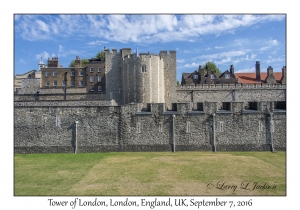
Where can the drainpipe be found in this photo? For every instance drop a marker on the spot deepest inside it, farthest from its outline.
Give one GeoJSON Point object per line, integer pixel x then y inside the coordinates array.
{"type": "Point", "coordinates": [271, 128]}
{"type": "Point", "coordinates": [76, 123]}
{"type": "Point", "coordinates": [214, 133]}
{"type": "Point", "coordinates": [173, 132]}
{"type": "Point", "coordinates": [65, 89]}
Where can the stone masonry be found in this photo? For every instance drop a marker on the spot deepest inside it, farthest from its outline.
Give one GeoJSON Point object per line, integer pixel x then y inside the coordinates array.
{"type": "Point", "coordinates": [50, 127]}
{"type": "Point", "coordinates": [140, 108]}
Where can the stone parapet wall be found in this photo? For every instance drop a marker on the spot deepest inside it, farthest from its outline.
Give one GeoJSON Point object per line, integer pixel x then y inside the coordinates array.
{"type": "Point", "coordinates": [219, 94]}
{"type": "Point", "coordinates": [64, 103]}
{"type": "Point", "coordinates": [49, 126]}
{"type": "Point", "coordinates": [230, 87]}
{"type": "Point", "coordinates": [61, 90]}
{"type": "Point", "coordinates": [29, 86]}
{"type": "Point", "coordinates": [51, 97]}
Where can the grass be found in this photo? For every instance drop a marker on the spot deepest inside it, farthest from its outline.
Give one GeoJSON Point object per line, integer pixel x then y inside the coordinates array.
{"type": "Point", "coordinates": [150, 173]}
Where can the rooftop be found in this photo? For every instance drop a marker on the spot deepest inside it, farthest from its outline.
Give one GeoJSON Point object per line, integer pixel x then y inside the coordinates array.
{"type": "Point", "coordinates": [250, 78]}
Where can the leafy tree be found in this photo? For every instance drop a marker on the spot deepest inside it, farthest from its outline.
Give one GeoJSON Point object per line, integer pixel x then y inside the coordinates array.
{"type": "Point", "coordinates": [212, 66]}
{"type": "Point", "coordinates": [83, 62]}
{"type": "Point", "coordinates": [101, 55]}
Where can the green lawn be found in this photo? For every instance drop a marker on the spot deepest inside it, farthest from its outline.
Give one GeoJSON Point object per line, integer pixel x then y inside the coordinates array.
{"type": "Point", "coordinates": [151, 173]}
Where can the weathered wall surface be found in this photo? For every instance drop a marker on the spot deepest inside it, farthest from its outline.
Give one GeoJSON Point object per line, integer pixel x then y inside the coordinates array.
{"type": "Point", "coordinates": [227, 93]}
{"type": "Point", "coordinates": [50, 127]}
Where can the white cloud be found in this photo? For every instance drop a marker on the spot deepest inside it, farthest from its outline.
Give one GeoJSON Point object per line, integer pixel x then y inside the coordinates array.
{"type": "Point", "coordinates": [180, 60]}
{"type": "Point", "coordinates": [232, 53]}
{"type": "Point", "coordinates": [274, 60]}
{"type": "Point", "coordinates": [135, 28]}
{"type": "Point", "coordinates": [191, 65]}
{"type": "Point", "coordinates": [269, 44]}
{"type": "Point", "coordinates": [97, 42]}
{"type": "Point", "coordinates": [63, 53]}
{"type": "Point", "coordinates": [43, 55]}
{"type": "Point", "coordinates": [245, 70]}
{"type": "Point", "coordinates": [22, 61]}
{"type": "Point", "coordinates": [218, 47]}
{"type": "Point", "coordinates": [274, 42]}
{"type": "Point", "coordinates": [241, 42]}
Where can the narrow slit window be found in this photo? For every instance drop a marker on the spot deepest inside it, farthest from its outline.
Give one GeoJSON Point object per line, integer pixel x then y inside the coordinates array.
{"type": "Point", "coordinates": [138, 127]}
{"type": "Point", "coordinates": [160, 127]}
{"type": "Point", "coordinates": [260, 126]}
{"type": "Point", "coordinates": [221, 126]}
{"type": "Point", "coordinates": [188, 127]}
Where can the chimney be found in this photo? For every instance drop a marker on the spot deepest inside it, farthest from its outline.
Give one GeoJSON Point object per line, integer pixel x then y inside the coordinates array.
{"type": "Point", "coordinates": [270, 77]}
{"type": "Point", "coordinates": [201, 71]}
{"type": "Point", "coordinates": [231, 69]}
{"type": "Point", "coordinates": [258, 71]}
{"type": "Point", "coordinates": [283, 78]}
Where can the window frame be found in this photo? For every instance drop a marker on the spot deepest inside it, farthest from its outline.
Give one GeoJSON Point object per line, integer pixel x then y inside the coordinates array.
{"type": "Point", "coordinates": [91, 69]}
{"type": "Point", "coordinates": [55, 74]}
{"type": "Point", "coordinates": [81, 83]}
{"type": "Point", "coordinates": [47, 74]}
{"type": "Point", "coordinates": [72, 73]}
{"type": "Point", "coordinates": [227, 76]}
{"type": "Point", "coordinates": [99, 69]}
{"type": "Point", "coordinates": [55, 85]}
{"type": "Point", "coordinates": [100, 79]}
{"type": "Point", "coordinates": [92, 79]}
{"type": "Point", "coordinates": [72, 83]}
{"type": "Point", "coordinates": [100, 88]}
{"type": "Point", "coordinates": [195, 76]}
{"type": "Point", "coordinates": [47, 83]}
{"type": "Point", "coordinates": [144, 68]}
{"type": "Point", "coordinates": [81, 73]}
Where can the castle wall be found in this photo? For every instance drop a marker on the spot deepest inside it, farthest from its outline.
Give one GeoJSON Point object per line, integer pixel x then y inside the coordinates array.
{"type": "Point", "coordinates": [227, 93]}
{"type": "Point", "coordinates": [50, 127]}
{"type": "Point", "coordinates": [29, 86]}
{"type": "Point", "coordinates": [113, 75]}
{"type": "Point", "coordinates": [169, 76]}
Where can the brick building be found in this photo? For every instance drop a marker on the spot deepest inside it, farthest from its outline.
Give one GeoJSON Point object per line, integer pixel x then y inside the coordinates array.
{"type": "Point", "coordinates": [95, 76]}
{"type": "Point", "coordinates": [55, 76]}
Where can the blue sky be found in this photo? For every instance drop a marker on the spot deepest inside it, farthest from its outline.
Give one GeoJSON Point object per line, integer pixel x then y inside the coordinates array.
{"type": "Point", "coordinates": [224, 39]}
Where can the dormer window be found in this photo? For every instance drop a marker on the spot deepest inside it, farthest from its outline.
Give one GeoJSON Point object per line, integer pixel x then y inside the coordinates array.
{"type": "Point", "coordinates": [212, 76]}
{"type": "Point", "coordinates": [195, 76]}
{"type": "Point", "coordinates": [227, 76]}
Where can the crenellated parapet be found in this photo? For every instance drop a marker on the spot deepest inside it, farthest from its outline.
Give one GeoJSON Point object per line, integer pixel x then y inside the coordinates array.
{"type": "Point", "coordinates": [231, 87]}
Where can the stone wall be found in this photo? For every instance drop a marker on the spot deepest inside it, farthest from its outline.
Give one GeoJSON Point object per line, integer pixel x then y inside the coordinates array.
{"type": "Point", "coordinates": [60, 96]}
{"type": "Point", "coordinates": [29, 86]}
{"type": "Point", "coordinates": [49, 126]}
{"type": "Point", "coordinates": [113, 75]}
{"type": "Point", "coordinates": [227, 93]}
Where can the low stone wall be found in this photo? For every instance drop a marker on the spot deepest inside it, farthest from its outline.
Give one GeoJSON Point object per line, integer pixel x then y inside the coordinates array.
{"type": "Point", "coordinates": [49, 126]}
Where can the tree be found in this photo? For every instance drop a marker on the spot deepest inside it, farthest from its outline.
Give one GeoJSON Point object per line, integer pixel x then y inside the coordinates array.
{"type": "Point", "coordinates": [101, 55]}
{"type": "Point", "coordinates": [83, 62]}
{"type": "Point", "coordinates": [212, 66]}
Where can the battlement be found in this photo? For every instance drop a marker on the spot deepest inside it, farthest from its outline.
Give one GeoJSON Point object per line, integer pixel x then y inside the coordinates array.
{"type": "Point", "coordinates": [229, 87]}
{"type": "Point", "coordinates": [209, 107]}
